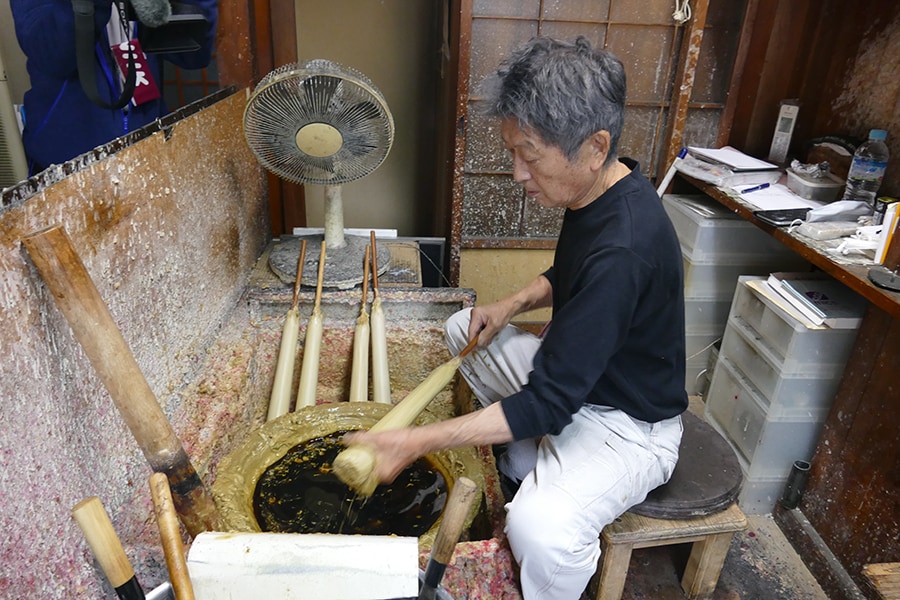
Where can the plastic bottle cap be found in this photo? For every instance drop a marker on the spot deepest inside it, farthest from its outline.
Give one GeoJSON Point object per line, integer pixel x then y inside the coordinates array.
{"type": "Point", "coordinates": [878, 134]}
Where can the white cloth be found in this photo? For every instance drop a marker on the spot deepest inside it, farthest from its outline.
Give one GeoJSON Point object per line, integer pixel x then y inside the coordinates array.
{"type": "Point", "coordinates": [599, 466]}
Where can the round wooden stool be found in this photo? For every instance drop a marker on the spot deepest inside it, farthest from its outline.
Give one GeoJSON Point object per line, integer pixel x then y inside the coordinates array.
{"type": "Point", "coordinates": [696, 506]}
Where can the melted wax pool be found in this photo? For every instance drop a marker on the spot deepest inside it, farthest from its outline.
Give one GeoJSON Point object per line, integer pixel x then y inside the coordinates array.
{"type": "Point", "coordinates": [300, 494]}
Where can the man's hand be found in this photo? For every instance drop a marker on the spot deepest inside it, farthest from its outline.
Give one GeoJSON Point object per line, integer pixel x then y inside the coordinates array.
{"type": "Point", "coordinates": [486, 321]}
{"type": "Point", "coordinates": [394, 450]}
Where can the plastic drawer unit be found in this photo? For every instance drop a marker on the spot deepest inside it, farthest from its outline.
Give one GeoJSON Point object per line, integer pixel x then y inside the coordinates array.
{"type": "Point", "coordinates": [706, 313]}
{"type": "Point", "coordinates": [786, 385]}
{"type": "Point", "coordinates": [794, 342]}
{"type": "Point", "coordinates": [719, 279]}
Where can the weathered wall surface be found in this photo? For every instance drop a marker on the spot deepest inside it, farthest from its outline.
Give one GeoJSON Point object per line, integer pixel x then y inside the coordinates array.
{"type": "Point", "coordinates": [495, 273]}
{"type": "Point", "coordinates": [169, 229]}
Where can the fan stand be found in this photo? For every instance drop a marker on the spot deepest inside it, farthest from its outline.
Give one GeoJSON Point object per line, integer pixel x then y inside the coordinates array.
{"type": "Point", "coordinates": [344, 254]}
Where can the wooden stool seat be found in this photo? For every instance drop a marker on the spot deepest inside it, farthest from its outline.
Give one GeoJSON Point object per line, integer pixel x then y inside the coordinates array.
{"type": "Point", "coordinates": [696, 506]}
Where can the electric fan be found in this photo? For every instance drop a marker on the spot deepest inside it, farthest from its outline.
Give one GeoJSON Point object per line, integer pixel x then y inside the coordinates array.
{"type": "Point", "coordinates": [320, 123]}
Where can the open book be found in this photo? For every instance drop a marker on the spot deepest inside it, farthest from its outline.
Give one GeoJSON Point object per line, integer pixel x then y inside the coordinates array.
{"type": "Point", "coordinates": [820, 298]}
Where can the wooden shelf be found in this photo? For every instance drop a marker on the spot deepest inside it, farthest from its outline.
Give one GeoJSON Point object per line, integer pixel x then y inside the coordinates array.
{"type": "Point", "coordinates": [853, 276]}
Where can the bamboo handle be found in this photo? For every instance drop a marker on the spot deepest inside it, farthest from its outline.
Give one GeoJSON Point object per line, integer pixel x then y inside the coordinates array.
{"type": "Point", "coordinates": [100, 535]}
{"type": "Point", "coordinates": [321, 275]}
{"type": "Point", "coordinates": [309, 370]}
{"type": "Point", "coordinates": [355, 465]}
{"type": "Point", "coordinates": [365, 281]}
{"type": "Point", "coordinates": [359, 370]}
{"type": "Point", "coordinates": [94, 328]}
{"type": "Point", "coordinates": [381, 377]}
{"type": "Point", "coordinates": [469, 347]}
{"type": "Point", "coordinates": [374, 262]}
{"type": "Point", "coordinates": [170, 536]}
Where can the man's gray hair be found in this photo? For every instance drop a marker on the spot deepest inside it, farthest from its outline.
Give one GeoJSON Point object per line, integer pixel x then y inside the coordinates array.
{"type": "Point", "coordinates": [563, 91]}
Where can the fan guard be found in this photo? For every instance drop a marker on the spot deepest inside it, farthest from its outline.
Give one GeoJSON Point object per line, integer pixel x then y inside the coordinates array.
{"type": "Point", "coordinates": [321, 123]}
{"type": "Point", "coordinates": [296, 105]}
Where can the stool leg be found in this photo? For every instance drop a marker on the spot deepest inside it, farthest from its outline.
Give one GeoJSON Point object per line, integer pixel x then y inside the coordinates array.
{"type": "Point", "coordinates": [609, 580]}
{"type": "Point", "coordinates": [705, 565]}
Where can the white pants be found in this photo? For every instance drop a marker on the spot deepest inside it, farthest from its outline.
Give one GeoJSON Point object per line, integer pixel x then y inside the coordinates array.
{"type": "Point", "coordinates": [574, 483]}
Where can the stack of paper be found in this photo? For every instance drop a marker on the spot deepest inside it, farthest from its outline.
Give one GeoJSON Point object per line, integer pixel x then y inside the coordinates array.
{"type": "Point", "coordinates": [774, 197]}
{"type": "Point", "coordinates": [732, 158]}
{"type": "Point", "coordinates": [727, 167]}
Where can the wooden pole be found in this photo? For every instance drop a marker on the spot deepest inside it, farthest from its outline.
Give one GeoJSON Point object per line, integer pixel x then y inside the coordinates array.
{"type": "Point", "coordinates": [170, 536]}
{"type": "Point", "coordinates": [453, 520]}
{"type": "Point", "coordinates": [94, 328]}
{"type": "Point", "coordinates": [381, 378]}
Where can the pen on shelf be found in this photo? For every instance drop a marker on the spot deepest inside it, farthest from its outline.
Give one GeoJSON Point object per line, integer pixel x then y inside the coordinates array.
{"type": "Point", "coordinates": [755, 188]}
{"type": "Point", "coordinates": [671, 172]}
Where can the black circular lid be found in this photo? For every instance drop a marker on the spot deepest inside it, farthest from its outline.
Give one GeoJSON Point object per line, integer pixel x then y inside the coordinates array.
{"type": "Point", "coordinates": [706, 479]}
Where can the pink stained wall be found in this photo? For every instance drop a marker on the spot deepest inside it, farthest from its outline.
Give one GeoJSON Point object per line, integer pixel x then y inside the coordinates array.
{"type": "Point", "coordinates": [169, 229]}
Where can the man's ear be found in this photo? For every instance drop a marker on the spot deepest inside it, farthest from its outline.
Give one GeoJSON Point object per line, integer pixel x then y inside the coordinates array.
{"type": "Point", "coordinates": [599, 147]}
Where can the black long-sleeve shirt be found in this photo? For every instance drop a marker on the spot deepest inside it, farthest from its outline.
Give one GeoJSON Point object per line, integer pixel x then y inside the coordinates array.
{"type": "Point", "coordinates": [617, 335]}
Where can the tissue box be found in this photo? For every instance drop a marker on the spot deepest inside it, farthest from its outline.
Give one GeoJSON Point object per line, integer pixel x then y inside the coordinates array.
{"type": "Point", "coordinates": [821, 189]}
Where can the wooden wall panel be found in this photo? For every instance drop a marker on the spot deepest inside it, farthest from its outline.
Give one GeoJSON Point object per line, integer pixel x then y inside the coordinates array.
{"type": "Point", "coordinates": [852, 498]}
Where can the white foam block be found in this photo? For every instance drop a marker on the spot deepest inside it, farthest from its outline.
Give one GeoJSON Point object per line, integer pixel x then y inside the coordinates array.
{"type": "Point", "coordinates": [237, 566]}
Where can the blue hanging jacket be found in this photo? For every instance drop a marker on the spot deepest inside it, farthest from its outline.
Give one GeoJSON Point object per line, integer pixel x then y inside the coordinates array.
{"type": "Point", "coordinates": [60, 121]}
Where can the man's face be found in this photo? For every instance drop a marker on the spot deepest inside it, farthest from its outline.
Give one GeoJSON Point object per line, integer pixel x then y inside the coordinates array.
{"type": "Point", "coordinates": [548, 176]}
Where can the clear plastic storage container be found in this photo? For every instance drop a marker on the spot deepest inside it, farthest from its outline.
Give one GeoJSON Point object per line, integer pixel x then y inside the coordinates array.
{"type": "Point", "coordinates": [706, 313]}
{"type": "Point", "coordinates": [719, 278]}
{"type": "Point", "coordinates": [710, 233]}
{"type": "Point", "coordinates": [821, 189]}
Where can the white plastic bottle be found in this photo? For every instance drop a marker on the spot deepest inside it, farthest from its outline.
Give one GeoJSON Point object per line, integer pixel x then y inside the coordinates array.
{"type": "Point", "coordinates": [867, 169]}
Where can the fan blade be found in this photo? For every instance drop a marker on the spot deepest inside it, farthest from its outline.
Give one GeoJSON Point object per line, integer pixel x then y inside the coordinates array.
{"type": "Point", "coordinates": [357, 114]}
{"type": "Point", "coordinates": [322, 92]}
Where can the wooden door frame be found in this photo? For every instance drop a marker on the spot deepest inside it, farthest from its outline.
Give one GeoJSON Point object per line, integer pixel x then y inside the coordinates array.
{"type": "Point", "coordinates": [253, 38]}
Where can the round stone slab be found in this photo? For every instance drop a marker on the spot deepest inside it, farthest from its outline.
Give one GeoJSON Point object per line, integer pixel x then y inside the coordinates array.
{"type": "Point", "coordinates": [343, 266]}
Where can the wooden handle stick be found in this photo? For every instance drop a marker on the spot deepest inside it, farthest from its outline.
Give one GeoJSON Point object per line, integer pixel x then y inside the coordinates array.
{"type": "Point", "coordinates": [309, 372]}
{"type": "Point", "coordinates": [280, 400]}
{"type": "Point", "coordinates": [359, 374]}
{"type": "Point", "coordinates": [381, 379]}
{"type": "Point", "coordinates": [94, 328]}
{"type": "Point", "coordinates": [104, 543]}
{"type": "Point", "coordinates": [355, 465]}
{"type": "Point", "coordinates": [170, 536]}
{"type": "Point", "coordinates": [453, 520]}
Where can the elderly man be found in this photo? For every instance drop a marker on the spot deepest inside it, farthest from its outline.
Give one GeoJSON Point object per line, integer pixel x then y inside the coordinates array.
{"type": "Point", "coordinates": [590, 411]}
